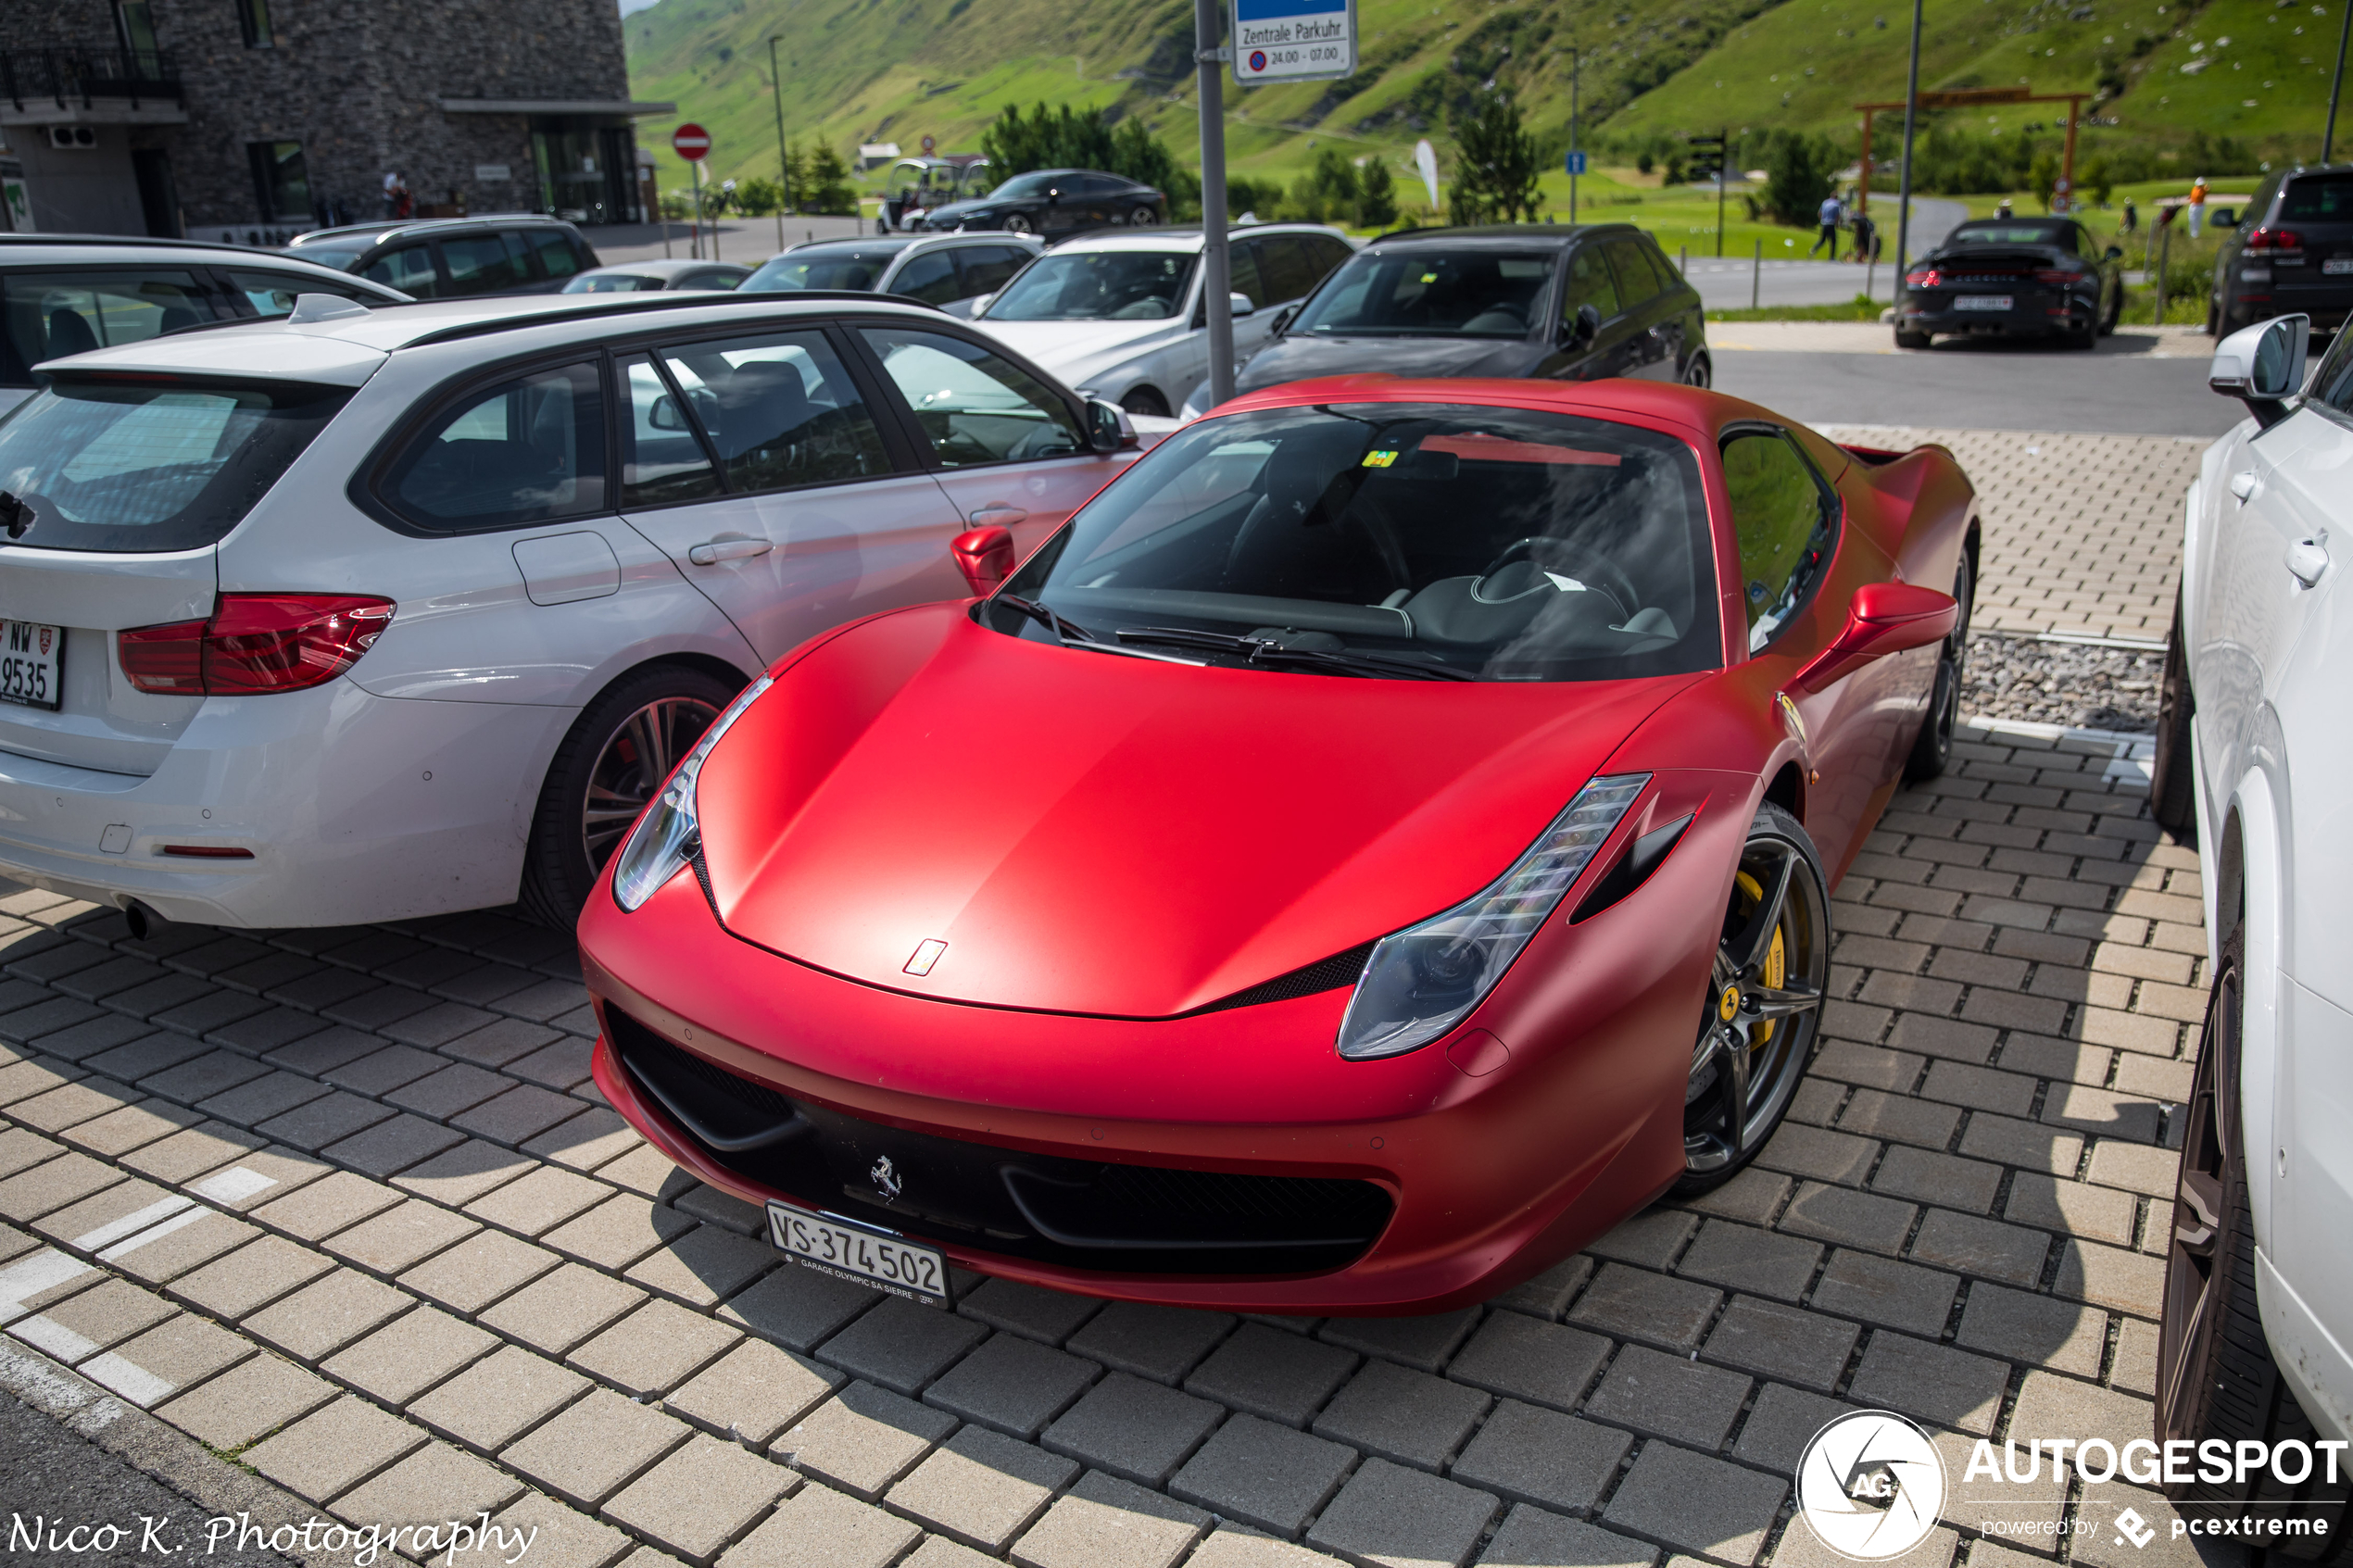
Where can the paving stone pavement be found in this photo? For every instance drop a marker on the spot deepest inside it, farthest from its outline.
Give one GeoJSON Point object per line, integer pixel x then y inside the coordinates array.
{"type": "Point", "coordinates": [342, 1206]}
{"type": "Point", "coordinates": [2083, 533]}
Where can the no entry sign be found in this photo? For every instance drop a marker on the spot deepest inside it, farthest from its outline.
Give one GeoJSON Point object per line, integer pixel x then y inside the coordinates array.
{"type": "Point", "coordinates": [690, 142]}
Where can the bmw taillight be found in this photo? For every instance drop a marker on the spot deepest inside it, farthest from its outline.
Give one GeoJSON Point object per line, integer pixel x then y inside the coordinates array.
{"type": "Point", "coordinates": [254, 642]}
{"type": "Point", "coordinates": [2273, 239]}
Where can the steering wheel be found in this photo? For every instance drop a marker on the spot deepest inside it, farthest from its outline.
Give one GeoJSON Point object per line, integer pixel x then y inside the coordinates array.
{"type": "Point", "coordinates": [1591, 568]}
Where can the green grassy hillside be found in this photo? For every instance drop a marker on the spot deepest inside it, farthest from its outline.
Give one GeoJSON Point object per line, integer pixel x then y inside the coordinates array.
{"type": "Point", "coordinates": [897, 69]}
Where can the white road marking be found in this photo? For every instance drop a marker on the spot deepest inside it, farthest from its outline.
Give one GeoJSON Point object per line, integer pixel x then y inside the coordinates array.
{"type": "Point", "coordinates": [133, 1223]}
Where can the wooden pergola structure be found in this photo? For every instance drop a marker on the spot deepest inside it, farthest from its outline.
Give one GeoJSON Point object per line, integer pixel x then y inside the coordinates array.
{"type": "Point", "coordinates": [1971, 98]}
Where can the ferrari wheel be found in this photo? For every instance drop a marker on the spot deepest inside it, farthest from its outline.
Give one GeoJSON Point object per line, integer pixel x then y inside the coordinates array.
{"type": "Point", "coordinates": [2216, 1376]}
{"type": "Point", "coordinates": [2172, 793]}
{"type": "Point", "coordinates": [617, 755]}
{"type": "Point", "coordinates": [1933, 749]}
{"type": "Point", "coordinates": [1764, 1002]}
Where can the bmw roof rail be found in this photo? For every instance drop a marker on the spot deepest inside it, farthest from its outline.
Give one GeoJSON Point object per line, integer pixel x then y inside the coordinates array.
{"type": "Point", "coordinates": [683, 300]}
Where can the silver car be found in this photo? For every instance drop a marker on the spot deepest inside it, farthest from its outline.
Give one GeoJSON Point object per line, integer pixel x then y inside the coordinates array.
{"type": "Point", "coordinates": [364, 615]}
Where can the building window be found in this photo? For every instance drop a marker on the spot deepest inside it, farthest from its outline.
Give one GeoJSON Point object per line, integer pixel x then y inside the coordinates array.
{"type": "Point", "coordinates": [282, 181]}
{"type": "Point", "coordinates": [253, 16]}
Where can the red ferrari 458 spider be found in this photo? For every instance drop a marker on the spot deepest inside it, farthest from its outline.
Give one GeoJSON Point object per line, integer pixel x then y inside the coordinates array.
{"type": "Point", "coordinates": [1382, 840]}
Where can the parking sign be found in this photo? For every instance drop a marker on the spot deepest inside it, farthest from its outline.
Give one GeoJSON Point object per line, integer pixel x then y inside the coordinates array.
{"type": "Point", "coordinates": [1293, 40]}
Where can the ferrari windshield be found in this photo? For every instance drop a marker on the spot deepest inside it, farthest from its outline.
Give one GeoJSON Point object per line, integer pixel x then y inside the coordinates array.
{"type": "Point", "coordinates": [1097, 285]}
{"type": "Point", "coordinates": [1423, 292]}
{"type": "Point", "coordinates": [1438, 541]}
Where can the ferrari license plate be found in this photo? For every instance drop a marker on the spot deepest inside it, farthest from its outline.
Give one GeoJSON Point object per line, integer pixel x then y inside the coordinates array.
{"type": "Point", "coordinates": [1981, 302]}
{"type": "Point", "coordinates": [2338, 266]}
{"type": "Point", "coordinates": [31, 656]}
{"type": "Point", "coordinates": [868, 1254]}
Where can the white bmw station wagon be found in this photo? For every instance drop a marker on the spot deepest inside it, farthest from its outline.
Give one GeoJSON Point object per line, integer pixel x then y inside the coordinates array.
{"type": "Point", "coordinates": [366, 615]}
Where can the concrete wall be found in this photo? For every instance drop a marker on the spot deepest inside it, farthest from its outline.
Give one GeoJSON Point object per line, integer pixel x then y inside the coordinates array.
{"type": "Point", "coordinates": [86, 191]}
{"type": "Point", "coordinates": [355, 82]}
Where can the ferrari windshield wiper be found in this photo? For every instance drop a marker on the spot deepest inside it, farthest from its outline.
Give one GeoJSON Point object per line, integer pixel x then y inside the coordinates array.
{"type": "Point", "coordinates": [1266, 650]}
{"type": "Point", "coordinates": [1072, 635]}
{"type": "Point", "coordinates": [1064, 630]}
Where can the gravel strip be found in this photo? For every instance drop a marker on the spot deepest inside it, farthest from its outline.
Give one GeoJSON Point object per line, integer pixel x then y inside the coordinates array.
{"type": "Point", "coordinates": [2054, 682]}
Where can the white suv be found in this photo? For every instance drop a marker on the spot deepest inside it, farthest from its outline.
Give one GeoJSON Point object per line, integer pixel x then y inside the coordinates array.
{"type": "Point", "coordinates": [2253, 752]}
{"type": "Point", "coordinates": [367, 615]}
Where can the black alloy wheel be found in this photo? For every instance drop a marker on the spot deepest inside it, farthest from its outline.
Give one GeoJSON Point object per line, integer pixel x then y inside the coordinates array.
{"type": "Point", "coordinates": [1017, 223]}
{"type": "Point", "coordinates": [1933, 749]}
{"type": "Point", "coordinates": [2216, 1375]}
{"type": "Point", "coordinates": [1142, 218]}
{"type": "Point", "coordinates": [616, 756]}
{"type": "Point", "coordinates": [1696, 372]}
{"type": "Point", "coordinates": [2173, 790]}
{"type": "Point", "coordinates": [1764, 1006]}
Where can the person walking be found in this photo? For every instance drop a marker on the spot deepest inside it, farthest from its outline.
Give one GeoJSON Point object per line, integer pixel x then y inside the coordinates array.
{"type": "Point", "coordinates": [2131, 220]}
{"type": "Point", "coordinates": [2198, 206]}
{"type": "Point", "coordinates": [1833, 213]}
{"type": "Point", "coordinates": [1866, 239]}
{"type": "Point", "coordinates": [2002, 210]}
{"type": "Point", "coordinates": [393, 192]}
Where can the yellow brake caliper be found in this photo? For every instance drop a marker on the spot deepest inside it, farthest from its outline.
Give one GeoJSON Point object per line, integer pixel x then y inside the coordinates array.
{"type": "Point", "coordinates": [1776, 958]}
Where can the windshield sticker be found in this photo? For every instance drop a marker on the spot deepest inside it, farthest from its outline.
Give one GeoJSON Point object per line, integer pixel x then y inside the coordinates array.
{"type": "Point", "coordinates": [1481, 448]}
{"type": "Point", "coordinates": [1380, 459]}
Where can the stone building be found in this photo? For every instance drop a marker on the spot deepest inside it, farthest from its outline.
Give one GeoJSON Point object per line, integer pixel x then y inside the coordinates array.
{"type": "Point", "coordinates": [253, 120]}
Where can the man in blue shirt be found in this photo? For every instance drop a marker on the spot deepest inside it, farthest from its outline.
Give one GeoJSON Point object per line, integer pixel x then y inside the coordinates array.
{"type": "Point", "coordinates": [1833, 213]}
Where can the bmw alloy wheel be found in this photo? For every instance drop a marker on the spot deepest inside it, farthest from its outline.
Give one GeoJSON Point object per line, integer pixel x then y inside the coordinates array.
{"type": "Point", "coordinates": [1764, 1002]}
{"type": "Point", "coordinates": [633, 765]}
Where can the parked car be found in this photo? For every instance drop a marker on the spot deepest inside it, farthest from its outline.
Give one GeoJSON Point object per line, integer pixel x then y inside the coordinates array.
{"type": "Point", "coordinates": [64, 293]}
{"type": "Point", "coordinates": [1054, 201]}
{"type": "Point", "coordinates": [2289, 250]}
{"type": "Point", "coordinates": [2013, 277]}
{"type": "Point", "coordinates": [948, 271]}
{"type": "Point", "coordinates": [652, 277]}
{"type": "Point", "coordinates": [1384, 840]}
{"type": "Point", "coordinates": [915, 185]}
{"type": "Point", "coordinates": [2252, 754]}
{"type": "Point", "coordinates": [1124, 315]}
{"type": "Point", "coordinates": [1570, 303]}
{"type": "Point", "coordinates": [455, 258]}
{"type": "Point", "coordinates": [360, 616]}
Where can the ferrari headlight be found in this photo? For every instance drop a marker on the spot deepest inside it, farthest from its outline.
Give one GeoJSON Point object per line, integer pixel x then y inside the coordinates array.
{"type": "Point", "coordinates": [664, 840]}
{"type": "Point", "coordinates": [1421, 982]}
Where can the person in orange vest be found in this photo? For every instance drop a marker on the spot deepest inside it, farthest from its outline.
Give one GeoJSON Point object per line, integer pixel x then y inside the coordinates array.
{"type": "Point", "coordinates": [2197, 205]}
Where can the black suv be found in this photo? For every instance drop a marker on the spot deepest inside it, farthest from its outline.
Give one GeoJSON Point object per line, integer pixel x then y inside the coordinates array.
{"type": "Point", "coordinates": [2290, 249]}
{"type": "Point", "coordinates": [1573, 302]}
{"type": "Point", "coordinates": [456, 258]}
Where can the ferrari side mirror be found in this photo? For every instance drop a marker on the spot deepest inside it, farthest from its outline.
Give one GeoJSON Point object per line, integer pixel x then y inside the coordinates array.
{"type": "Point", "coordinates": [1883, 618]}
{"type": "Point", "coordinates": [2262, 365]}
{"type": "Point", "coordinates": [985, 556]}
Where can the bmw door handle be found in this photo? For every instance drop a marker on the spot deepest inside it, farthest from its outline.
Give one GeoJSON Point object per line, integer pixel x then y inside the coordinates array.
{"type": "Point", "coordinates": [727, 548]}
{"type": "Point", "coordinates": [2306, 559]}
{"type": "Point", "coordinates": [999, 514]}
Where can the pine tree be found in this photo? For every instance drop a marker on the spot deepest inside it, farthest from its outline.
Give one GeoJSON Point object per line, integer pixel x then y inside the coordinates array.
{"type": "Point", "coordinates": [1496, 165]}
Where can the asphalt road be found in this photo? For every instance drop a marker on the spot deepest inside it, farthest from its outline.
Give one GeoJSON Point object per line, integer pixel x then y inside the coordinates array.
{"type": "Point", "coordinates": [1987, 387]}
{"type": "Point", "coordinates": [1734, 283]}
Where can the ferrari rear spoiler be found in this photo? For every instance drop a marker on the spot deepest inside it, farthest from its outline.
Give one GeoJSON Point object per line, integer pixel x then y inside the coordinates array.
{"type": "Point", "coordinates": [1876, 456]}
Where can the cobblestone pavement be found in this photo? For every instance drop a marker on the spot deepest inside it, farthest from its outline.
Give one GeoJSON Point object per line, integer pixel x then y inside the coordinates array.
{"type": "Point", "coordinates": [2083, 533]}
{"type": "Point", "coordinates": [342, 1205]}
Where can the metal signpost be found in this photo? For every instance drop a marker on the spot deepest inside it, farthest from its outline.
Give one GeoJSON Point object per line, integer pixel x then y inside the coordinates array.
{"type": "Point", "coordinates": [1575, 163]}
{"type": "Point", "coordinates": [1274, 41]}
{"type": "Point", "coordinates": [692, 143]}
{"type": "Point", "coordinates": [1710, 155]}
{"type": "Point", "coordinates": [1575, 159]}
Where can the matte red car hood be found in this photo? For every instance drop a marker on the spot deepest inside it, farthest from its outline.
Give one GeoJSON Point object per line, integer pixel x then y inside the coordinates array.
{"type": "Point", "coordinates": [1099, 835]}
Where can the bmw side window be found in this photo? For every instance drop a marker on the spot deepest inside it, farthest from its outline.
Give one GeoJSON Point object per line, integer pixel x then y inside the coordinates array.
{"type": "Point", "coordinates": [930, 278]}
{"type": "Point", "coordinates": [483, 263]}
{"type": "Point", "coordinates": [661, 460]}
{"type": "Point", "coordinates": [408, 269]}
{"type": "Point", "coordinates": [780, 410]}
{"type": "Point", "coordinates": [1589, 283]}
{"type": "Point", "coordinates": [1246, 269]}
{"type": "Point", "coordinates": [527, 450]}
{"type": "Point", "coordinates": [1786, 523]}
{"type": "Point", "coordinates": [973, 407]}
{"type": "Point", "coordinates": [53, 315]}
{"type": "Point", "coordinates": [986, 268]}
{"type": "Point", "coordinates": [553, 247]}
{"type": "Point", "coordinates": [1637, 284]}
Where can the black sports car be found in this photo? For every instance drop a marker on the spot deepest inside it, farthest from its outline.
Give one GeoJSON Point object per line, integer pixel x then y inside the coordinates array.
{"type": "Point", "coordinates": [1054, 201]}
{"type": "Point", "coordinates": [2013, 277]}
{"type": "Point", "coordinates": [1569, 302]}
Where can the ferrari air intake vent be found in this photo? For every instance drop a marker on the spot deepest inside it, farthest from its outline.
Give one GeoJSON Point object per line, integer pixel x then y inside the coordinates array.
{"type": "Point", "coordinates": [1074, 1211]}
{"type": "Point", "coordinates": [1324, 974]}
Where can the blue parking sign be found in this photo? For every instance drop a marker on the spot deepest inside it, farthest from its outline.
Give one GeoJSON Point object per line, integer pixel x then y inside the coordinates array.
{"type": "Point", "coordinates": [1577, 163]}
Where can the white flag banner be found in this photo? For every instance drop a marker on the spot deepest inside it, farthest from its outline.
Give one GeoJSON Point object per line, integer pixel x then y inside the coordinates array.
{"type": "Point", "coordinates": [1426, 159]}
